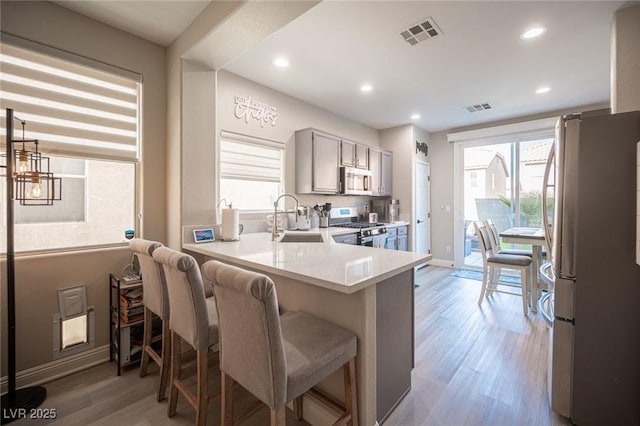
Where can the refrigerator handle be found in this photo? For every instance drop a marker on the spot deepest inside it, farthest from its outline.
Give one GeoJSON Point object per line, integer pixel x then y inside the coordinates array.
{"type": "Point", "coordinates": [545, 196]}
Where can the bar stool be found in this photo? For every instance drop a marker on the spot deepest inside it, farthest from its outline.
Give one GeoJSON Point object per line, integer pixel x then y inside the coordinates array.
{"type": "Point", "coordinates": [276, 358]}
{"type": "Point", "coordinates": [194, 320]}
{"type": "Point", "coordinates": [156, 301]}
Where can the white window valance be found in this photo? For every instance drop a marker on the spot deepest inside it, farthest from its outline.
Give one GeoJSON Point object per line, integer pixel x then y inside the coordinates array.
{"type": "Point", "coordinates": [527, 130]}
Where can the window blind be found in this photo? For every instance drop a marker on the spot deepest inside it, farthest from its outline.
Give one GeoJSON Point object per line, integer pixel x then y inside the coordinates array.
{"type": "Point", "coordinates": [72, 109]}
{"type": "Point", "coordinates": [246, 158]}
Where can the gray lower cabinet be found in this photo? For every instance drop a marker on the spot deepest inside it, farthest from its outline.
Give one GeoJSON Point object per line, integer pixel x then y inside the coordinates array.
{"type": "Point", "coordinates": [402, 242]}
{"type": "Point", "coordinates": [397, 238]}
{"type": "Point", "coordinates": [394, 341]}
{"type": "Point", "coordinates": [317, 160]}
{"type": "Point", "coordinates": [392, 238]}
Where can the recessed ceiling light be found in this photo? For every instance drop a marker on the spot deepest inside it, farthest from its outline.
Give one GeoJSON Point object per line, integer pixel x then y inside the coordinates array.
{"type": "Point", "coordinates": [415, 116]}
{"type": "Point", "coordinates": [366, 87]}
{"type": "Point", "coordinates": [543, 90]}
{"type": "Point", "coordinates": [533, 32]}
{"type": "Point", "coordinates": [281, 62]}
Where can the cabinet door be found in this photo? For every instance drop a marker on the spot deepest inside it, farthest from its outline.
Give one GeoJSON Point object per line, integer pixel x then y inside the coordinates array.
{"type": "Point", "coordinates": [347, 154]}
{"type": "Point", "coordinates": [391, 243]}
{"type": "Point", "coordinates": [325, 163]}
{"type": "Point", "coordinates": [362, 156]}
{"type": "Point", "coordinates": [375, 156]}
{"type": "Point", "coordinates": [402, 243]}
{"type": "Point", "coordinates": [386, 170]}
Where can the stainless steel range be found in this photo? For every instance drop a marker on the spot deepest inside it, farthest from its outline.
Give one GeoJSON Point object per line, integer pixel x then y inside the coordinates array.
{"type": "Point", "coordinates": [367, 234]}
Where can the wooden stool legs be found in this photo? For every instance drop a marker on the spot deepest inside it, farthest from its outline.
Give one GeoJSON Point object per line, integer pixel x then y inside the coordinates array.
{"type": "Point", "coordinates": [163, 360]}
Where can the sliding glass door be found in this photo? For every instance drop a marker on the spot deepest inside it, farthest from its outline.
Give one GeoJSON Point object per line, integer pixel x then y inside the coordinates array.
{"type": "Point", "coordinates": [502, 182]}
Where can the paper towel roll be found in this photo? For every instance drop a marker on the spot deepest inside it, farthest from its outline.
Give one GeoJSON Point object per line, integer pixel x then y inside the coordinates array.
{"type": "Point", "coordinates": [230, 224]}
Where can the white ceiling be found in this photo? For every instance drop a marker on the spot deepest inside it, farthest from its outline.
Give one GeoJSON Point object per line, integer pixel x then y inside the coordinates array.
{"type": "Point", "coordinates": [338, 45]}
{"type": "Point", "coordinates": [159, 21]}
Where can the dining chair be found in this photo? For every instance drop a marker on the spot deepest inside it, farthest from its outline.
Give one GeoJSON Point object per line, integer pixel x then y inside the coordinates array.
{"type": "Point", "coordinates": [494, 237]}
{"type": "Point", "coordinates": [156, 302]}
{"type": "Point", "coordinates": [492, 261]}
{"type": "Point", "coordinates": [194, 320]}
{"type": "Point", "coordinates": [276, 358]}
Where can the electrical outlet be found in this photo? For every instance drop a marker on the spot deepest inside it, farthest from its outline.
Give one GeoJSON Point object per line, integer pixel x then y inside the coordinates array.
{"type": "Point", "coordinates": [448, 249]}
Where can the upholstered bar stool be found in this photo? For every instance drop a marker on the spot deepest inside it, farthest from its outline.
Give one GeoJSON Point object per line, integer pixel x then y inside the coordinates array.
{"type": "Point", "coordinates": [276, 358]}
{"type": "Point", "coordinates": [156, 302]}
{"type": "Point", "coordinates": [194, 320]}
{"type": "Point", "coordinates": [491, 261]}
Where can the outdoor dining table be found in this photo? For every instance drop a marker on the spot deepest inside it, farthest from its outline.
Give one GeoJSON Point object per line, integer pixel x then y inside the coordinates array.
{"type": "Point", "coordinates": [533, 237]}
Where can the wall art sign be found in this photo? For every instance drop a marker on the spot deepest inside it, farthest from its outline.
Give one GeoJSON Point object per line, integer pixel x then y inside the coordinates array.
{"type": "Point", "coordinates": [247, 107]}
{"type": "Point", "coordinates": [422, 147]}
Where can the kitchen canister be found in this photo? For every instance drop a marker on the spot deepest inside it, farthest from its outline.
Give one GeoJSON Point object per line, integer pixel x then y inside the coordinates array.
{"type": "Point", "coordinates": [230, 224]}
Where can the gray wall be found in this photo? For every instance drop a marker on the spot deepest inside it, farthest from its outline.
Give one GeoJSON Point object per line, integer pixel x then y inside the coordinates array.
{"type": "Point", "coordinates": [37, 278]}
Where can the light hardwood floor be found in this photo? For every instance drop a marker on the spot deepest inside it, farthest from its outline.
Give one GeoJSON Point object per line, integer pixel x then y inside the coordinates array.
{"type": "Point", "coordinates": [475, 365]}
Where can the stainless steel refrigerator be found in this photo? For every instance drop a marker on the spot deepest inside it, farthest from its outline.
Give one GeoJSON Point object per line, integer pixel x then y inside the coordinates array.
{"type": "Point", "coordinates": [594, 301]}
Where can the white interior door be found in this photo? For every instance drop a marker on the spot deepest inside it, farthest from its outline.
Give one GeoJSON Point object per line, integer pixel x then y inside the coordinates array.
{"type": "Point", "coordinates": [423, 208]}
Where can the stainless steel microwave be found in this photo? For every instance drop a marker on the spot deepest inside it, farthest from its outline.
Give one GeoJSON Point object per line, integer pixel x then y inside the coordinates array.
{"type": "Point", "coordinates": [355, 181]}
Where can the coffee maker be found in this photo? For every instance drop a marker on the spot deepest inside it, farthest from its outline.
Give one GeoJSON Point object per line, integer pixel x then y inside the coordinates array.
{"type": "Point", "coordinates": [388, 209]}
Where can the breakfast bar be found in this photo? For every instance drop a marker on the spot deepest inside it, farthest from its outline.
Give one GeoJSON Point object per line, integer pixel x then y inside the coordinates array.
{"type": "Point", "coordinates": [368, 291]}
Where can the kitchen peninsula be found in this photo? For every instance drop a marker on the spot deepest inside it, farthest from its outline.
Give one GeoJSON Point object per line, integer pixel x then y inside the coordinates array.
{"type": "Point", "coordinates": [366, 290]}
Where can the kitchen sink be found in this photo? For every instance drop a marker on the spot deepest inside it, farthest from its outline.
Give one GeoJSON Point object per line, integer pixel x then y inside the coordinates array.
{"type": "Point", "coordinates": [302, 238]}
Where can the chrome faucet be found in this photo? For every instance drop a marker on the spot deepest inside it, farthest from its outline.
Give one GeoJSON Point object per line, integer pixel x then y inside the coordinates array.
{"type": "Point", "coordinates": [274, 230]}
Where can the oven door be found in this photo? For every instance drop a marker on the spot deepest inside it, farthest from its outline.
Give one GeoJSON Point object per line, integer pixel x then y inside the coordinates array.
{"type": "Point", "coordinates": [365, 241]}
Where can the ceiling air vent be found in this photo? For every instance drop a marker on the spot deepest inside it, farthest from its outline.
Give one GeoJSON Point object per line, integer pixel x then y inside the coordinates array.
{"type": "Point", "coordinates": [479, 107]}
{"type": "Point", "coordinates": [423, 30]}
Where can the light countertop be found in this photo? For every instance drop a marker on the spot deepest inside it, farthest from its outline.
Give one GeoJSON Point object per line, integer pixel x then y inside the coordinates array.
{"type": "Point", "coordinates": [340, 267]}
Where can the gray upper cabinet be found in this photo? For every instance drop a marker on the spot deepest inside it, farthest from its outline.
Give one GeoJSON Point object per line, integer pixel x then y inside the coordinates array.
{"type": "Point", "coordinates": [353, 154]}
{"type": "Point", "coordinates": [386, 173]}
{"type": "Point", "coordinates": [317, 160]}
{"type": "Point", "coordinates": [380, 164]}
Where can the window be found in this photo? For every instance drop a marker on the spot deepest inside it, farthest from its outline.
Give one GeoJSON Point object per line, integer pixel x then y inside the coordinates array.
{"type": "Point", "coordinates": [85, 116]}
{"type": "Point", "coordinates": [251, 171]}
{"type": "Point", "coordinates": [510, 160]}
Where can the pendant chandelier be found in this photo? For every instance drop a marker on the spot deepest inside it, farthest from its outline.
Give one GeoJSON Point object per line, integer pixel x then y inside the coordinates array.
{"type": "Point", "coordinates": [34, 183]}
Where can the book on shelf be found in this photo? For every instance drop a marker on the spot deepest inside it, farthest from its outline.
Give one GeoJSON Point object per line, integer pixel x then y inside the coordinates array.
{"type": "Point", "coordinates": [131, 297]}
{"type": "Point", "coordinates": [132, 314]}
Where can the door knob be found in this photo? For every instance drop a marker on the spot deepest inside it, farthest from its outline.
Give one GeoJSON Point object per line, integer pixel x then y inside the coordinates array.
{"type": "Point", "coordinates": [420, 221]}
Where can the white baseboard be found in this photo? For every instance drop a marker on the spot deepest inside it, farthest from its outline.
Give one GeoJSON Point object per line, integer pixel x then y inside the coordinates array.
{"type": "Point", "coordinates": [59, 368]}
{"type": "Point", "coordinates": [441, 262]}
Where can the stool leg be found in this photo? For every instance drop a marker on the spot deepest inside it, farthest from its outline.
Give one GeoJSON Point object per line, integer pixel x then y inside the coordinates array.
{"type": "Point", "coordinates": [146, 341]}
{"type": "Point", "coordinates": [525, 296]}
{"type": "Point", "coordinates": [297, 407]}
{"type": "Point", "coordinates": [202, 396]}
{"type": "Point", "coordinates": [166, 360]}
{"type": "Point", "coordinates": [485, 278]}
{"type": "Point", "coordinates": [175, 374]}
{"type": "Point", "coordinates": [227, 399]}
{"type": "Point", "coordinates": [534, 290]}
{"type": "Point", "coordinates": [350, 391]}
{"type": "Point", "coordinates": [278, 416]}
